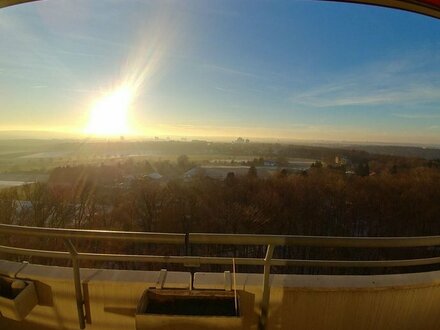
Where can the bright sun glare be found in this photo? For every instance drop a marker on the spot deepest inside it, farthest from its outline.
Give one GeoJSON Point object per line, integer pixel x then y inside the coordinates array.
{"type": "Point", "coordinates": [108, 117]}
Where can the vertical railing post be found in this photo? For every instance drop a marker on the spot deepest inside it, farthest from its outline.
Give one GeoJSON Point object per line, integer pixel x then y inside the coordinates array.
{"type": "Point", "coordinates": [188, 253]}
{"type": "Point", "coordinates": [266, 288]}
{"type": "Point", "coordinates": [77, 281]}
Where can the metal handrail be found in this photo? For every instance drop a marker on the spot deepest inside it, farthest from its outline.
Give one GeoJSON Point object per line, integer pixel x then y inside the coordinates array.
{"type": "Point", "coordinates": [318, 241]}
{"type": "Point", "coordinates": [271, 241]}
{"type": "Point", "coordinates": [224, 239]}
{"type": "Point", "coordinates": [162, 238]}
{"type": "Point", "coordinates": [194, 260]}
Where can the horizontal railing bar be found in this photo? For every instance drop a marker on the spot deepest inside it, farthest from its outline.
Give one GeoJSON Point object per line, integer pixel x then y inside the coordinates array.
{"type": "Point", "coordinates": [222, 260]}
{"type": "Point", "coordinates": [356, 263]}
{"type": "Point", "coordinates": [132, 257]}
{"type": "Point", "coordinates": [224, 239]}
{"type": "Point", "coordinates": [35, 253]}
{"type": "Point", "coordinates": [162, 238]}
{"type": "Point", "coordinates": [170, 259]}
{"type": "Point", "coordinates": [319, 241]}
{"type": "Point", "coordinates": [259, 262]}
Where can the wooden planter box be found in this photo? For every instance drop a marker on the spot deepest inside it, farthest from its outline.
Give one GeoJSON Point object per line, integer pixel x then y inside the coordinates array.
{"type": "Point", "coordinates": [188, 309]}
{"type": "Point", "coordinates": [16, 305]}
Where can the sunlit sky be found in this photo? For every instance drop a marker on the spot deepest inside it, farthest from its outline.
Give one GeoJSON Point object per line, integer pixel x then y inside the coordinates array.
{"type": "Point", "coordinates": [291, 70]}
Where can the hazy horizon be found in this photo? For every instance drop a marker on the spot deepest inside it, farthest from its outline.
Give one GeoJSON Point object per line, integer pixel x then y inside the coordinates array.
{"type": "Point", "coordinates": [60, 136]}
{"type": "Point", "coordinates": [286, 71]}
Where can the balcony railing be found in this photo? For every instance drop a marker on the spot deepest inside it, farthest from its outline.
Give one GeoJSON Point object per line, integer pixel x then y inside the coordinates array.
{"type": "Point", "coordinates": [271, 241]}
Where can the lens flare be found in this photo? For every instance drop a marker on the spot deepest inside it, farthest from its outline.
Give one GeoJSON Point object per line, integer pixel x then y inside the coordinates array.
{"type": "Point", "coordinates": [109, 115]}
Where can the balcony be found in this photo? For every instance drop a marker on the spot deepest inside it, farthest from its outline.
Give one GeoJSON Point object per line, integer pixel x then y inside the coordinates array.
{"type": "Point", "coordinates": [74, 297]}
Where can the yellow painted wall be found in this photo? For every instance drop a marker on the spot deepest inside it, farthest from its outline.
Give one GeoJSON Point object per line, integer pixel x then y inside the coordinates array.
{"type": "Point", "coordinates": [388, 302]}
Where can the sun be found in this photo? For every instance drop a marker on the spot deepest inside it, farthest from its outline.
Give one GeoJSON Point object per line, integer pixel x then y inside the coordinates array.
{"type": "Point", "coordinates": [108, 116]}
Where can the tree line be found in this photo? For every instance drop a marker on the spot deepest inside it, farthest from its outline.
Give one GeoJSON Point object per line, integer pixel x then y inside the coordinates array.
{"type": "Point", "coordinates": [397, 201]}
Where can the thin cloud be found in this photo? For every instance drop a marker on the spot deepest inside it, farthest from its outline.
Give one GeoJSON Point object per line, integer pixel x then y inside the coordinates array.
{"type": "Point", "coordinates": [417, 115]}
{"type": "Point", "coordinates": [226, 70]}
{"type": "Point", "coordinates": [404, 81]}
{"type": "Point", "coordinates": [82, 54]}
{"type": "Point", "coordinates": [34, 52]}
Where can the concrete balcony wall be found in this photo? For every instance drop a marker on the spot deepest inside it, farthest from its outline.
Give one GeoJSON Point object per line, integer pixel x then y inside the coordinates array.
{"type": "Point", "coordinates": [409, 301]}
{"type": "Point", "coordinates": [112, 295]}
{"type": "Point", "coordinates": [315, 302]}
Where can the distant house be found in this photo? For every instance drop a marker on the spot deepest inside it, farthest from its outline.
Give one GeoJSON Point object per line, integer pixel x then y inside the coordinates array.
{"type": "Point", "coordinates": [270, 163]}
{"type": "Point", "coordinates": [342, 160]}
{"type": "Point", "coordinates": [23, 205]}
{"type": "Point", "coordinates": [220, 172]}
{"type": "Point", "coordinates": [153, 176]}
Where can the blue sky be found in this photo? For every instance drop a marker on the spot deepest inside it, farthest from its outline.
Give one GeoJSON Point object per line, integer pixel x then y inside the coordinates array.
{"type": "Point", "coordinates": [290, 70]}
